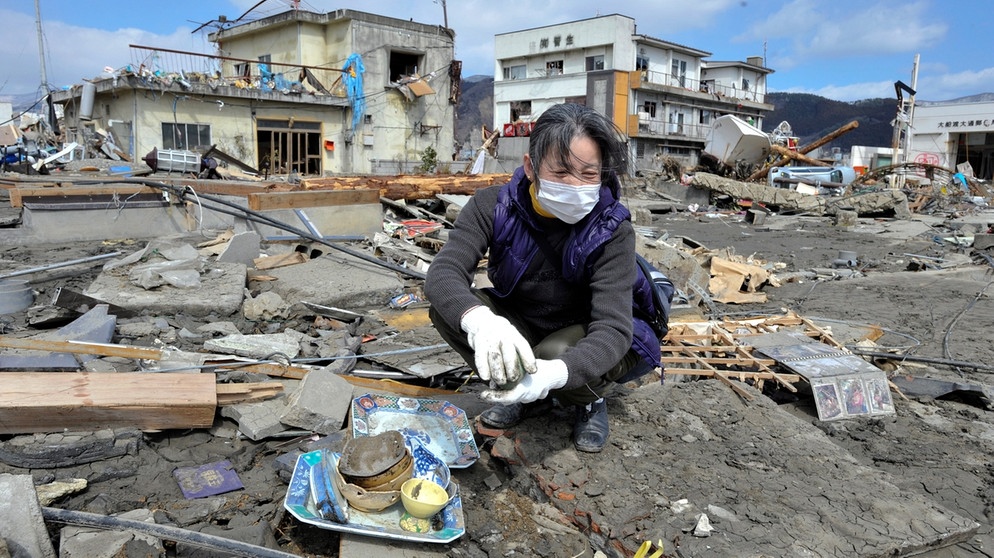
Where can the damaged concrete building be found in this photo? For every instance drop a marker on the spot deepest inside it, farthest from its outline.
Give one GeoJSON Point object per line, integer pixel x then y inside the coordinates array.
{"type": "Point", "coordinates": [344, 92]}
{"type": "Point", "coordinates": [664, 96]}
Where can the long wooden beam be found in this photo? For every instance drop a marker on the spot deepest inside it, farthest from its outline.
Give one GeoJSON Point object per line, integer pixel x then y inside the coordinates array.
{"type": "Point", "coordinates": [56, 401]}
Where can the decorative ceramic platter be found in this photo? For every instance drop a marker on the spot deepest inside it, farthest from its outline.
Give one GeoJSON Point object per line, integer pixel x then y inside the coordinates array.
{"type": "Point", "coordinates": [438, 425]}
{"type": "Point", "coordinates": [449, 523]}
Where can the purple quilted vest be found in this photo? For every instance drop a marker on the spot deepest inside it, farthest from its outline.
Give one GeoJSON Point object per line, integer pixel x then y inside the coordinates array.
{"type": "Point", "coordinates": [514, 246]}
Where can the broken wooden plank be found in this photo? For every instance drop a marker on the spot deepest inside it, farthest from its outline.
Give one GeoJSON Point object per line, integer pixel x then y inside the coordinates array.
{"type": "Point", "coordinates": [409, 187]}
{"type": "Point", "coordinates": [311, 198]}
{"type": "Point", "coordinates": [280, 260]}
{"type": "Point", "coordinates": [33, 402]}
{"type": "Point", "coordinates": [742, 375]}
{"type": "Point", "coordinates": [250, 392]}
{"type": "Point", "coordinates": [81, 347]}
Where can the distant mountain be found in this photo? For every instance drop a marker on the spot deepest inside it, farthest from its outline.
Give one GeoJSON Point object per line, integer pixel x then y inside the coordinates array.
{"type": "Point", "coordinates": [475, 110]}
{"type": "Point", "coordinates": [812, 117]}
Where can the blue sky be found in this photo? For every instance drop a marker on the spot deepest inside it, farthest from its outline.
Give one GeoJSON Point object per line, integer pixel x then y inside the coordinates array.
{"type": "Point", "coordinates": [845, 49]}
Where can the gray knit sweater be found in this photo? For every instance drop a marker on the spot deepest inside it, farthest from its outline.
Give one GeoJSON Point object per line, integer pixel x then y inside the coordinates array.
{"type": "Point", "coordinates": [542, 297]}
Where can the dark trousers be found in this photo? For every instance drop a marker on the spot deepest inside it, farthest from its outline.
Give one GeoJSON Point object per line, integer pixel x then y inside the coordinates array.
{"type": "Point", "coordinates": [547, 348]}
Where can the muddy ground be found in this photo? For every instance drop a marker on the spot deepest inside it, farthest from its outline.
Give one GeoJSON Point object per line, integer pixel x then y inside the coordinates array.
{"type": "Point", "coordinates": [771, 477]}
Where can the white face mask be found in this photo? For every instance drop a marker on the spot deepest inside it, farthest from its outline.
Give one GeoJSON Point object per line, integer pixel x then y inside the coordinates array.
{"type": "Point", "coordinates": [568, 203]}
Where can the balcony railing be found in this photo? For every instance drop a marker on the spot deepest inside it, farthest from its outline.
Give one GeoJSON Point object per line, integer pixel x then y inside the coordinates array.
{"type": "Point", "coordinates": [648, 126]}
{"type": "Point", "coordinates": [708, 86]}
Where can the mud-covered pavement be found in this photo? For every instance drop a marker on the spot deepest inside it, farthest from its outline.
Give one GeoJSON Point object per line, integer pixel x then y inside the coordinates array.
{"type": "Point", "coordinates": [771, 478]}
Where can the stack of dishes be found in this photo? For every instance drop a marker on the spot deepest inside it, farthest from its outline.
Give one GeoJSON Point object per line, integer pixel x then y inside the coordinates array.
{"type": "Point", "coordinates": [372, 470]}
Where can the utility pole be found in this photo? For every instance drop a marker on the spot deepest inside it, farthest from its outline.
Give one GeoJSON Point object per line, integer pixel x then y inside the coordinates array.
{"type": "Point", "coordinates": [41, 47]}
{"type": "Point", "coordinates": [445, 13]}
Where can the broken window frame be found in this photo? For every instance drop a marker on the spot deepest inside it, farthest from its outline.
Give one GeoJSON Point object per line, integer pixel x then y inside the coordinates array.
{"type": "Point", "coordinates": [176, 135]}
{"type": "Point", "coordinates": [594, 63]}
{"type": "Point", "coordinates": [404, 63]}
{"type": "Point", "coordinates": [519, 109]}
{"type": "Point", "coordinates": [554, 68]}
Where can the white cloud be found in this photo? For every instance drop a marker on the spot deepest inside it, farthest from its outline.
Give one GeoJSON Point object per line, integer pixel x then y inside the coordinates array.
{"type": "Point", "coordinates": [805, 31]}
{"type": "Point", "coordinates": [74, 53]}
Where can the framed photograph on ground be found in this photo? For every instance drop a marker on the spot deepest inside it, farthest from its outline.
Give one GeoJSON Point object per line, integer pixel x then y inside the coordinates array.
{"type": "Point", "coordinates": [854, 396]}
{"type": "Point", "coordinates": [827, 400]}
{"type": "Point", "coordinates": [878, 393]}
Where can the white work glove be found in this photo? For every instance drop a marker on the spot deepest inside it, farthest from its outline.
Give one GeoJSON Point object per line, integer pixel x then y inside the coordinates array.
{"type": "Point", "coordinates": [502, 354]}
{"type": "Point", "coordinates": [551, 374]}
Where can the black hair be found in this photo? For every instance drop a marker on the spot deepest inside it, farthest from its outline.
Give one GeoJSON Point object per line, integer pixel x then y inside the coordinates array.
{"type": "Point", "coordinates": [556, 128]}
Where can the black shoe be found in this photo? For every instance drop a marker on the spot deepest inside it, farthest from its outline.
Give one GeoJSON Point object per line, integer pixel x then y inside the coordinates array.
{"type": "Point", "coordinates": [590, 430]}
{"type": "Point", "coordinates": [506, 416]}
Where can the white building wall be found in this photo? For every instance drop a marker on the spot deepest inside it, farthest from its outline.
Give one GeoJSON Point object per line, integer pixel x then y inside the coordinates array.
{"type": "Point", "coordinates": [936, 130]}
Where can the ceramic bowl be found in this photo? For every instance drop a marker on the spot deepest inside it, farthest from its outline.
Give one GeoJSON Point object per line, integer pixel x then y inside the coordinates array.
{"type": "Point", "coordinates": [392, 477]}
{"type": "Point", "coordinates": [374, 461]}
{"type": "Point", "coordinates": [423, 498]}
{"type": "Point", "coordinates": [366, 500]}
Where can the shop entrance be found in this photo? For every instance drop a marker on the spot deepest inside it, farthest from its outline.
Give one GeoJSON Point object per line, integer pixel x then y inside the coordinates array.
{"type": "Point", "coordinates": [977, 148]}
{"type": "Point", "coordinates": [286, 146]}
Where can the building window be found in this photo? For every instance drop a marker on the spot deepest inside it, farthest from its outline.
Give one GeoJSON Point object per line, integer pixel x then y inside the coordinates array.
{"type": "Point", "coordinates": [649, 108]}
{"type": "Point", "coordinates": [595, 62]}
{"type": "Point", "coordinates": [641, 63]}
{"type": "Point", "coordinates": [679, 72]}
{"type": "Point", "coordinates": [706, 117]}
{"type": "Point", "coordinates": [519, 109]}
{"type": "Point", "coordinates": [265, 59]}
{"type": "Point", "coordinates": [243, 69]}
{"type": "Point", "coordinates": [403, 64]}
{"type": "Point", "coordinates": [515, 72]}
{"type": "Point", "coordinates": [185, 136]}
{"type": "Point", "coordinates": [554, 68]}
{"type": "Point", "coordinates": [745, 84]}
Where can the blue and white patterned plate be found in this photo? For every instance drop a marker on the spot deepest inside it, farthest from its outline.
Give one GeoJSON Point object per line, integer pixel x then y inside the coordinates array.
{"type": "Point", "coordinates": [440, 426]}
{"type": "Point", "coordinates": [426, 464]}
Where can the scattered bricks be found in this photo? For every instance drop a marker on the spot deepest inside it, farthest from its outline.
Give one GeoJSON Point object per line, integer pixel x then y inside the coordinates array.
{"type": "Point", "coordinates": [487, 431]}
{"type": "Point", "coordinates": [504, 450]}
{"type": "Point", "coordinates": [565, 496]}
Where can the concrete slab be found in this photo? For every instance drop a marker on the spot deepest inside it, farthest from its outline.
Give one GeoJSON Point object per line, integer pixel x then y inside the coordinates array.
{"type": "Point", "coordinates": [48, 222]}
{"type": "Point", "coordinates": [320, 403]}
{"type": "Point", "coordinates": [23, 526]}
{"type": "Point", "coordinates": [242, 248]}
{"type": "Point", "coordinates": [221, 290]}
{"type": "Point", "coordinates": [337, 279]}
{"type": "Point", "coordinates": [85, 542]}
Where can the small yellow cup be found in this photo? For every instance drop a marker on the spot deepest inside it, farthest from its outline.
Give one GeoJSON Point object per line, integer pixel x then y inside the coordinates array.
{"type": "Point", "coordinates": [423, 498]}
